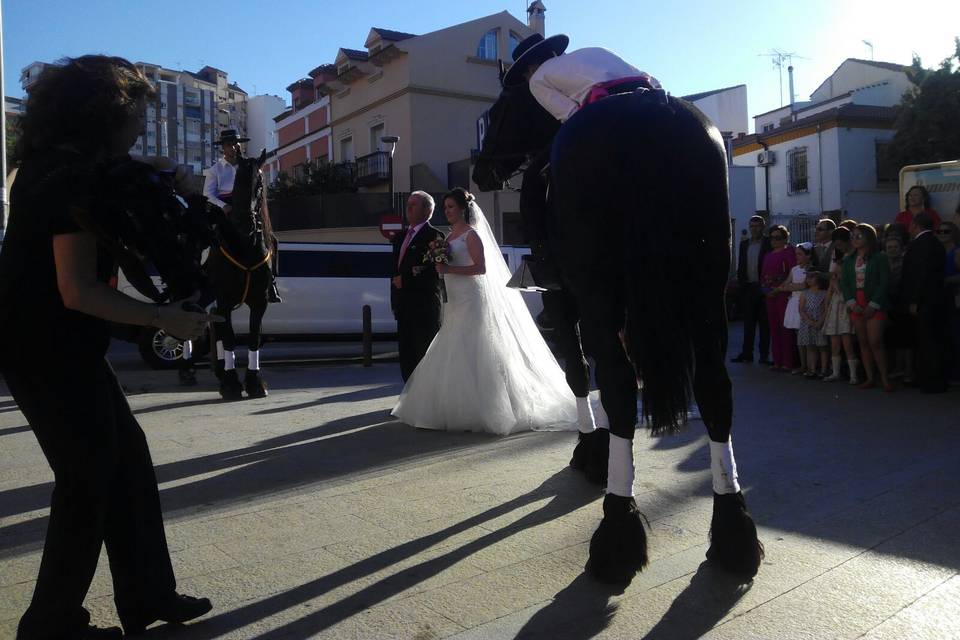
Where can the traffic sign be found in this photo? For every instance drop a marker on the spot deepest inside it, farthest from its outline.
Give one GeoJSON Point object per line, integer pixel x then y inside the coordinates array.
{"type": "Point", "coordinates": [390, 225]}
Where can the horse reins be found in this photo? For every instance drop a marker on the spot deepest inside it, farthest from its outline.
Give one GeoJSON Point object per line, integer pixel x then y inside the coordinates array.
{"type": "Point", "coordinates": [247, 270]}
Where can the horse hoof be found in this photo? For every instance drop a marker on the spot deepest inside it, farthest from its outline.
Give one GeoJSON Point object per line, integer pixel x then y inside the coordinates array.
{"type": "Point", "coordinates": [733, 536]}
{"type": "Point", "coordinates": [618, 549]}
{"type": "Point", "coordinates": [254, 385]}
{"type": "Point", "coordinates": [230, 387]}
{"type": "Point", "coordinates": [590, 455]}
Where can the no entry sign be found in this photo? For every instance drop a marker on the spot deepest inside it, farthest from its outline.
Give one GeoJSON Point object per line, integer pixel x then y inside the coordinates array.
{"type": "Point", "coordinates": [390, 225]}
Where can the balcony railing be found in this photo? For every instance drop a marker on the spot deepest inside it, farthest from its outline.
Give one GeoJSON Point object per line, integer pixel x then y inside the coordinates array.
{"type": "Point", "coordinates": [373, 168]}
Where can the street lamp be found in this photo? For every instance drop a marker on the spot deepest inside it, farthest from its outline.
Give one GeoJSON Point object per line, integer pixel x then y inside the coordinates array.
{"type": "Point", "coordinates": [392, 141]}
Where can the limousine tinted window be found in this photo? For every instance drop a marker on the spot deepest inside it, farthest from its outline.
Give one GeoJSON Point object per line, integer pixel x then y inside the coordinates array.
{"type": "Point", "coordinates": [336, 264]}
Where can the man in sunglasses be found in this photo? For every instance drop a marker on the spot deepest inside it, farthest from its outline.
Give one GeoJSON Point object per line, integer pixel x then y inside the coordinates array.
{"type": "Point", "coordinates": [753, 306]}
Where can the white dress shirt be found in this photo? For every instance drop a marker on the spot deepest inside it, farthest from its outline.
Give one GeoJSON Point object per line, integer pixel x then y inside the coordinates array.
{"type": "Point", "coordinates": [218, 180]}
{"type": "Point", "coordinates": [561, 84]}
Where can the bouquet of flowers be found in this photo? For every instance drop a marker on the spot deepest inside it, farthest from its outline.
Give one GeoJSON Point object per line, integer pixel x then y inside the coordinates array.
{"type": "Point", "coordinates": [438, 252]}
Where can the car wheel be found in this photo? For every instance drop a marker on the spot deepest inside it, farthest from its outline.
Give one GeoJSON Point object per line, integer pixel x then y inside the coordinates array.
{"type": "Point", "coordinates": [162, 351]}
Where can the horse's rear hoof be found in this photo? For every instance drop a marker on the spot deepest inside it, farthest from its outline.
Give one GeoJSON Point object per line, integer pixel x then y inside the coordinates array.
{"type": "Point", "coordinates": [618, 549]}
{"type": "Point", "coordinates": [733, 536]}
{"type": "Point", "coordinates": [230, 387]}
{"type": "Point", "coordinates": [591, 454]}
{"type": "Point", "coordinates": [254, 384]}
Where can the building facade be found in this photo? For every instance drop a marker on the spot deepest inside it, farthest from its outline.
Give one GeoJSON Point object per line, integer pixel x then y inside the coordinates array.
{"type": "Point", "coordinates": [428, 90]}
{"type": "Point", "coordinates": [261, 126]}
{"type": "Point", "coordinates": [185, 117]}
{"type": "Point", "coordinates": [303, 129]}
{"type": "Point", "coordinates": [825, 156]}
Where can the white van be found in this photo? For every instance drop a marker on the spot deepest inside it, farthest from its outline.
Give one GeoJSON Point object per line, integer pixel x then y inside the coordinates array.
{"type": "Point", "coordinates": [324, 287]}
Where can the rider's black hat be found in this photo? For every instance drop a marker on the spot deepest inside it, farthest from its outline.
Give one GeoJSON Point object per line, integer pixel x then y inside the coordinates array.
{"type": "Point", "coordinates": [533, 50]}
{"type": "Point", "coordinates": [229, 136]}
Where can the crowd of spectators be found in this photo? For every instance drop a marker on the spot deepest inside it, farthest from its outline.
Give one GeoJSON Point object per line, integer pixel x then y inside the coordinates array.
{"type": "Point", "coordinates": [874, 307]}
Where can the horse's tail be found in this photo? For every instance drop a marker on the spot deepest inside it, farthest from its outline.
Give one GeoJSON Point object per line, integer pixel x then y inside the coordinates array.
{"type": "Point", "coordinates": [676, 249]}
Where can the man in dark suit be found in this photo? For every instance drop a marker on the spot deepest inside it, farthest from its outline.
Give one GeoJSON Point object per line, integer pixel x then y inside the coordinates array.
{"type": "Point", "coordinates": [415, 287]}
{"type": "Point", "coordinates": [923, 275]}
{"type": "Point", "coordinates": [752, 303]}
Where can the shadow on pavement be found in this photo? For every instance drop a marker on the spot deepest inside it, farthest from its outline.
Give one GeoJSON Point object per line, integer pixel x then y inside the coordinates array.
{"type": "Point", "coordinates": [710, 596]}
{"type": "Point", "coordinates": [568, 493]}
{"type": "Point", "coordinates": [347, 396]}
{"type": "Point", "coordinates": [335, 449]}
{"type": "Point", "coordinates": [582, 609]}
{"type": "Point", "coordinates": [11, 430]}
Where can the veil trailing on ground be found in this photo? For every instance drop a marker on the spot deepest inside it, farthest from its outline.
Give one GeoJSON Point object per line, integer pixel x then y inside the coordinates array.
{"type": "Point", "coordinates": [508, 316]}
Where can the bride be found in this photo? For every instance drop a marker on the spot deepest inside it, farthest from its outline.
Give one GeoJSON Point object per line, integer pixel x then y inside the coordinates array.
{"type": "Point", "coordinates": [488, 369]}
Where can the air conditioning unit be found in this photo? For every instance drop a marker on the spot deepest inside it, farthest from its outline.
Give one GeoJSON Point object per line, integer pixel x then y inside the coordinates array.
{"type": "Point", "coordinates": [766, 158]}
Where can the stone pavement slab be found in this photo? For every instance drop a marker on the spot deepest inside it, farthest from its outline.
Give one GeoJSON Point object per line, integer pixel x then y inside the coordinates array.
{"type": "Point", "coordinates": [312, 514]}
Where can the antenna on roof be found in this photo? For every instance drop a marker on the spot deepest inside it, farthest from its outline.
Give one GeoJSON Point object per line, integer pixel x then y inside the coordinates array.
{"type": "Point", "coordinates": [779, 60]}
{"type": "Point", "coordinates": [869, 44]}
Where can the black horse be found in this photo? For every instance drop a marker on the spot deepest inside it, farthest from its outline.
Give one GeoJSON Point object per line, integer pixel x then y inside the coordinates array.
{"type": "Point", "coordinates": [239, 270]}
{"type": "Point", "coordinates": [648, 277]}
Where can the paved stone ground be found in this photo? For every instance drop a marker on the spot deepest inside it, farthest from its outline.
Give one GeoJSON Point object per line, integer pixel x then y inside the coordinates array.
{"type": "Point", "coordinates": [312, 513]}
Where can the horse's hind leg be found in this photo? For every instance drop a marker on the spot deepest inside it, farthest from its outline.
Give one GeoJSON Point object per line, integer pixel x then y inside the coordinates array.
{"type": "Point", "coordinates": [230, 387]}
{"type": "Point", "coordinates": [253, 382]}
{"type": "Point", "coordinates": [733, 534]}
{"type": "Point", "coordinates": [618, 549]}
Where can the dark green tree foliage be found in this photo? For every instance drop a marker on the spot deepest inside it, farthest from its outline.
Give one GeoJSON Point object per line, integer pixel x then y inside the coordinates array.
{"type": "Point", "coordinates": [13, 134]}
{"type": "Point", "coordinates": [928, 118]}
{"type": "Point", "coordinates": [327, 178]}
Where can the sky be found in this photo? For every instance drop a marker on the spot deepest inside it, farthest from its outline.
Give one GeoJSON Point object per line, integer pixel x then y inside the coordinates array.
{"type": "Point", "coordinates": [691, 46]}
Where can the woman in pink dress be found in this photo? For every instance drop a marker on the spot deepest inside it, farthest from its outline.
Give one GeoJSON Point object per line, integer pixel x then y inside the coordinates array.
{"type": "Point", "coordinates": [773, 276]}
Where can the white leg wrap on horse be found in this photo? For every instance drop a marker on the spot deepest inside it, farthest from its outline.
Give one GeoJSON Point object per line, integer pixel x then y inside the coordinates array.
{"type": "Point", "coordinates": [600, 418]}
{"type": "Point", "coordinates": [253, 360]}
{"type": "Point", "coordinates": [585, 421]}
{"type": "Point", "coordinates": [724, 467]}
{"type": "Point", "coordinates": [219, 349]}
{"type": "Point", "coordinates": [620, 467]}
{"type": "Point", "coordinates": [187, 349]}
{"type": "Point", "coordinates": [228, 361]}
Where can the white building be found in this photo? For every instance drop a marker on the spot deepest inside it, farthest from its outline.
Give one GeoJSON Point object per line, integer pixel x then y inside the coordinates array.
{"type": "Point", "coordinates": [261, 127]}
{"type": "Point", "coordinates": [822, 157]}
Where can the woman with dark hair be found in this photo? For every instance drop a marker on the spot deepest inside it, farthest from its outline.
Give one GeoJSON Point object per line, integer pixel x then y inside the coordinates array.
{"type": "Point", "coordinates": [488, 368]}
{"type": "Point", "coordinates": [55, 304]}
{"type": "Point", "coordinates": [864, 282]}
{"type": "Point", "coordinates": [773, 281]}
{"type": "Point", "coordinates": [916, 200]}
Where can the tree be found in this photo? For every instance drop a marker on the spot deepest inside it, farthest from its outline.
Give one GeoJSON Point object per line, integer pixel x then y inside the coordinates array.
{"type": "Point", "coordinates": [926, 122]}
{"type": "Point", "coordinates": [326, 178]}
{"type": "Point", "coordinates": [13, 133]}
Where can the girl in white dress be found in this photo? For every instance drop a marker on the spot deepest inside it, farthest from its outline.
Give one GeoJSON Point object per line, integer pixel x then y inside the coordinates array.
{"type": "Point", "coordinates": [798, 280]}
{"type": "Point", "coordinates": [488, 369]}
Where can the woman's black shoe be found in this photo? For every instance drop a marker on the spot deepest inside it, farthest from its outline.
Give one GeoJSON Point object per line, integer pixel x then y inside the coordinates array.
{"type": "Point", "coordinates": [742, 358]}
{"type": "Point", "coordinates": [177, 609]}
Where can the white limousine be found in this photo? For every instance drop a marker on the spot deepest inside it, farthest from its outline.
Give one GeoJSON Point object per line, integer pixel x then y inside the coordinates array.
{"type": "Point", "coordinates": [324, 287]}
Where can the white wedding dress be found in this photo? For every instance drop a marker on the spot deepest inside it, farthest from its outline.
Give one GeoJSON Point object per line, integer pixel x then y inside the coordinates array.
{"type": "Point", "coordinates": [488, 369]}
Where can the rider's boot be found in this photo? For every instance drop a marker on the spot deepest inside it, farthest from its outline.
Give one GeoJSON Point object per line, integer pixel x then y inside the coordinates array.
{"type": "Point", "coordinates": [273, 294]}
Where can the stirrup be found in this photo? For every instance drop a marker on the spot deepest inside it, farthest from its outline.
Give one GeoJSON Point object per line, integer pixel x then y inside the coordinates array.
{"type": "Point", "coordinates": [534, 275]}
